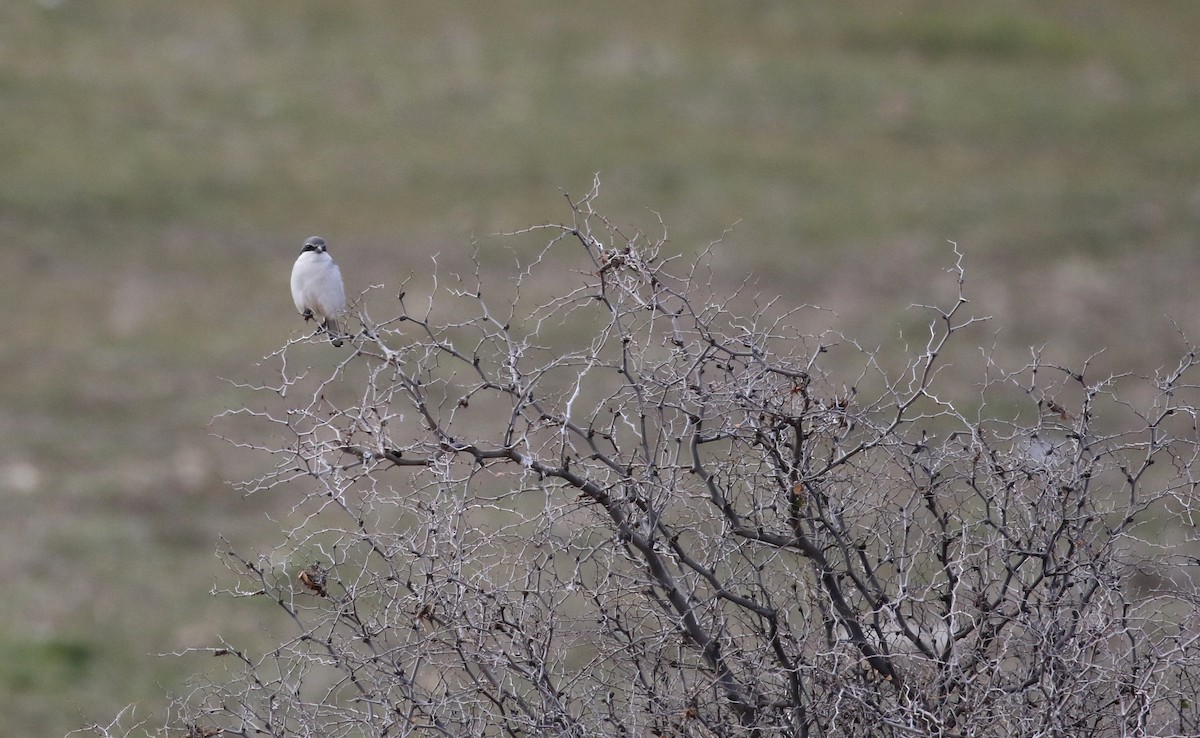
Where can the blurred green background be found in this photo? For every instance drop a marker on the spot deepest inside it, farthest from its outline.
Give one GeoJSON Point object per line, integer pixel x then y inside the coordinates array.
{"type": "Point", "coordinates": [163, 161]}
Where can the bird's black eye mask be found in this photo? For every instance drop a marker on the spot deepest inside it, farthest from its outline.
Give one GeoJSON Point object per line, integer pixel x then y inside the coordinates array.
{"type": "Point", "coordinates": [314, 244]}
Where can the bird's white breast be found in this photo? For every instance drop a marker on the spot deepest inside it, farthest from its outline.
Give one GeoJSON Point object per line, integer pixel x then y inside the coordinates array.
{"type": "Point", "coordinates": [317, 285]}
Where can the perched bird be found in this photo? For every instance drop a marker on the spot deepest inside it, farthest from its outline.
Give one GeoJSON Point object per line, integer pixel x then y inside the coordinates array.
{"type": "Point", "coordinates": [317, 287]}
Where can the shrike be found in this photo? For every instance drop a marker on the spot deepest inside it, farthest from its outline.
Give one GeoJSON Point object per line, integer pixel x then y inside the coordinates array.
{"type": "Point", "coordinates": [317, 287]}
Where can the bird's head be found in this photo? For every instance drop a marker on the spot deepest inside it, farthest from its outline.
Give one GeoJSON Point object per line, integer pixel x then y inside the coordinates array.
{"type": "Point", "coordinates": [315, 243]}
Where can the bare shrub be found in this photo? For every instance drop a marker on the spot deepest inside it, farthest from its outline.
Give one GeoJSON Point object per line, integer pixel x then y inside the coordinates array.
{"type": "Point", "coordinates": [603, 499]}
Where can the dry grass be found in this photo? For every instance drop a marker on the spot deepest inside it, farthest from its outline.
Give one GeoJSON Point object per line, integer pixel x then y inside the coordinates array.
{"type": "Point", "coordinates": [162, 162]}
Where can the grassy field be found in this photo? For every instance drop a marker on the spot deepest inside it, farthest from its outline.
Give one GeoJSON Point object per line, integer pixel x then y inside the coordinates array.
{"type": "Point", "coordinates": [162, 162]}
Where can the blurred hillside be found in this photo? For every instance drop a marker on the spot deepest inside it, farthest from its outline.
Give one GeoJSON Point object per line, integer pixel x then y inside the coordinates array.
{"type": "Point", "coordinates": [162, 163]}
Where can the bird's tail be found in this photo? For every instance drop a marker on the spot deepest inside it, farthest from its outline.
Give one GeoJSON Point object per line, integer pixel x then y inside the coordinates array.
{"type": "Point", "coordinates": [335, 334]}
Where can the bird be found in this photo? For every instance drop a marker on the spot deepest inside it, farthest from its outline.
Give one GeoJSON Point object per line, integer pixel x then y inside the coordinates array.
{"type": "Point", "coordinates": [317, 287]}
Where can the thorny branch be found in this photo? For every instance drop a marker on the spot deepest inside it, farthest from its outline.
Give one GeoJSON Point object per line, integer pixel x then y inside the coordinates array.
{"type": "Point", "coordinates": [602, 498]}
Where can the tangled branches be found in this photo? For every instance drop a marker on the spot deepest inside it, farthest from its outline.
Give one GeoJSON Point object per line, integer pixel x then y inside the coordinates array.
{"type": "Point", "coordinates": [603, 499]}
